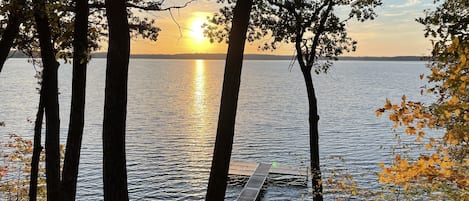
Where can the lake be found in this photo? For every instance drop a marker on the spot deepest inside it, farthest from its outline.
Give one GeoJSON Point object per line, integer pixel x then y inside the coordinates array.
{"type": "Point", "coordinates": [173, 111]}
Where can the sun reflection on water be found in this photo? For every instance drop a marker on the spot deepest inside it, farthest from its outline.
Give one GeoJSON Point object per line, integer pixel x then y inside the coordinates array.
{"type": "Point", "coordinates": [200, 109]}
{"type": "Point", "coordinates": [199, 90]}
{"type": "Point", "coordinates": [201, 129]}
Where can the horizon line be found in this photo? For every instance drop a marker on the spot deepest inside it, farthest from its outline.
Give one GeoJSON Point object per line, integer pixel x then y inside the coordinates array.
{"type": "Point", "coordinates": [248, 56]}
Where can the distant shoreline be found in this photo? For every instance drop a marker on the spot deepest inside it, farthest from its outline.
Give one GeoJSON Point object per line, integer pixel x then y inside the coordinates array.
{"type": "Point", "coordinates": [261, 57]}
{"type": "Point", "coordinates": [246, 57]}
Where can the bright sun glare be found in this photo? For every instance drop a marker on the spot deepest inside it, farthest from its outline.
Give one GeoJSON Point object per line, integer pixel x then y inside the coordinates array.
{"type": "Point", "coordinates": [196, 30]}
{"type": "Point", "coordinates": [197, 41]}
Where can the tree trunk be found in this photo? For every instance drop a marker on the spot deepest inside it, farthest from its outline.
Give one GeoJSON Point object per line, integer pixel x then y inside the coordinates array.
{"type": "Point", "coordinates": [11, 31]}
{"type": "Point", "coordinates": [316, 182]}
{"type": "Point", "coordinates": [229, 100]}
{"type": "Point", "coordinates": [115, 103]}
{"type": "Point", "coordinates": [313, 136]}
{"type": "Point", "coordinates": [51, 101]}
{"type": "Point", "coordinates": [37, 148]}
{"type": "Point", "coordinates": [77, 111]}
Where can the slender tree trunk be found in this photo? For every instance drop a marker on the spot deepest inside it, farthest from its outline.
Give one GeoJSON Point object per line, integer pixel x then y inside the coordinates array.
{"type": "Point", "coordinates": [51, 101]}
{"type": "Point", "coordinates": [37, 148]}
{"type": "Point", "coordinates": [313, 136]}
{"type": "Point", "coordinates": [316, 182]}
{"type": "Point", "coordinates": [11, 31]}
{"type": "Point", "coordinates": [77, 111]}
{"type": "Point", "coordinates": [229, 101]}
{"type": "Point", "coordinates": [115, 103]}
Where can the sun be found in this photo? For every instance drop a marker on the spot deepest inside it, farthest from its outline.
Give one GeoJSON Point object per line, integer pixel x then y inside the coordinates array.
{"type": "Point", "coordinates": [196, 31]}
{"type": "Point", "coordinates": [196, 40]}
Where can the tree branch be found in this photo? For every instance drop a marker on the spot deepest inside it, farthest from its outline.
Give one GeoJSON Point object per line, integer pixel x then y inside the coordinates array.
{"type": "Point", "coordinates": [153, 7]}
{"type": "Point", "coordinates": [299, 29]}
{"type": "Point", "coordinates": [289, 7]}
{"type": "Point", "coordinates": [310, 60]}
{"type": "Point", "coordinates": [314, 17]}
{"type": "Point", "coordinates": [299, 53]}
{"type": "Point", "coordinates": [177, 24]}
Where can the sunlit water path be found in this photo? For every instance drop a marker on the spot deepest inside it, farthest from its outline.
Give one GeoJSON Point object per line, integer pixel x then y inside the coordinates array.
{"type": "Point", "coordinates": [173, 111]}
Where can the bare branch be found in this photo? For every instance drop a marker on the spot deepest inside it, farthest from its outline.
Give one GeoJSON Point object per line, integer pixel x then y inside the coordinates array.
{"type": "Point", "coordinates": [177, 24]}
{"type": "Point", "coordinates": [178, 7]}
{"type": "Point", "coordinates": [152, 7]}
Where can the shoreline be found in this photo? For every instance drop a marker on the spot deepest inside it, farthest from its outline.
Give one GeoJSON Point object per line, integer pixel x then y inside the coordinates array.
{"type": "Point", "coordinates": [15, 54]}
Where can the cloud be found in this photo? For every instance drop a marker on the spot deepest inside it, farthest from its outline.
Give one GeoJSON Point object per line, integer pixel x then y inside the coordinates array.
{"type": "Point", "coordinates": [407, 13]}
{"type": "Point", "coordinates": [408, 3]}
{"type": "Point", "coordinates": [395, 14]}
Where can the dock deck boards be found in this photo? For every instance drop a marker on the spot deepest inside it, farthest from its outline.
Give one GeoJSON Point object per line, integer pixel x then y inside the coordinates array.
{"type": "Point", "coordinates": [247, 168]}
{"type": "Point", "coordinates": [253, 186]}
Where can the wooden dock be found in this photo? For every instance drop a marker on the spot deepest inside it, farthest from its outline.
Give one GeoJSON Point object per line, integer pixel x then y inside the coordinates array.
{"type": "Point", "coordinates": [253, 187]}
{"type": "Point", "coordinates": [247, 169]}
{"type": "Point", "coordinates": [258, 173]}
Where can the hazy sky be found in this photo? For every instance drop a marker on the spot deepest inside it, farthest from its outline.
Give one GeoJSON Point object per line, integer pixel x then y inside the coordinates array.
{"type": "Point", "coordinates": [394, 33]}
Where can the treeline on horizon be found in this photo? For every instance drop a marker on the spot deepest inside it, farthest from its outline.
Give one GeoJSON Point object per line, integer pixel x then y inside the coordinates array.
{"type": "Point", "coordinates": [17, 54]}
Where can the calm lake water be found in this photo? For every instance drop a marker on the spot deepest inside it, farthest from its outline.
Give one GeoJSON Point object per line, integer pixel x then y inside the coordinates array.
{"type": "Point", "coordinates": [173, 110]}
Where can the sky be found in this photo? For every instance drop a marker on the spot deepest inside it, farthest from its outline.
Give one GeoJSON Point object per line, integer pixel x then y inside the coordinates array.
{"type": "Point", "coordinates": [394, 33]}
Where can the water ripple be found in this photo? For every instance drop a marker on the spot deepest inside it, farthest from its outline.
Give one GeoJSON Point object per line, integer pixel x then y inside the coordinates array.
{"type": "Point", "coordinates": [173, 110]}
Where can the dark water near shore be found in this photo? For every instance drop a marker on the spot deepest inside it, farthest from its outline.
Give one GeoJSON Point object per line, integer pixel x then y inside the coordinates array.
{"type": "Point", "coordinates": [173, 111]}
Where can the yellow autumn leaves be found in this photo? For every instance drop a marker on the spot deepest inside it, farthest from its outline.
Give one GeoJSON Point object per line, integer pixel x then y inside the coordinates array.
{"type": "Point", "coordinates": [426, 170]}
{"type": "Point", "coordinates": [442, 170]}
{"type": "Point", "coordinates": [14, 175]}
{"type": "Point", "coordinates": [413, 115]}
